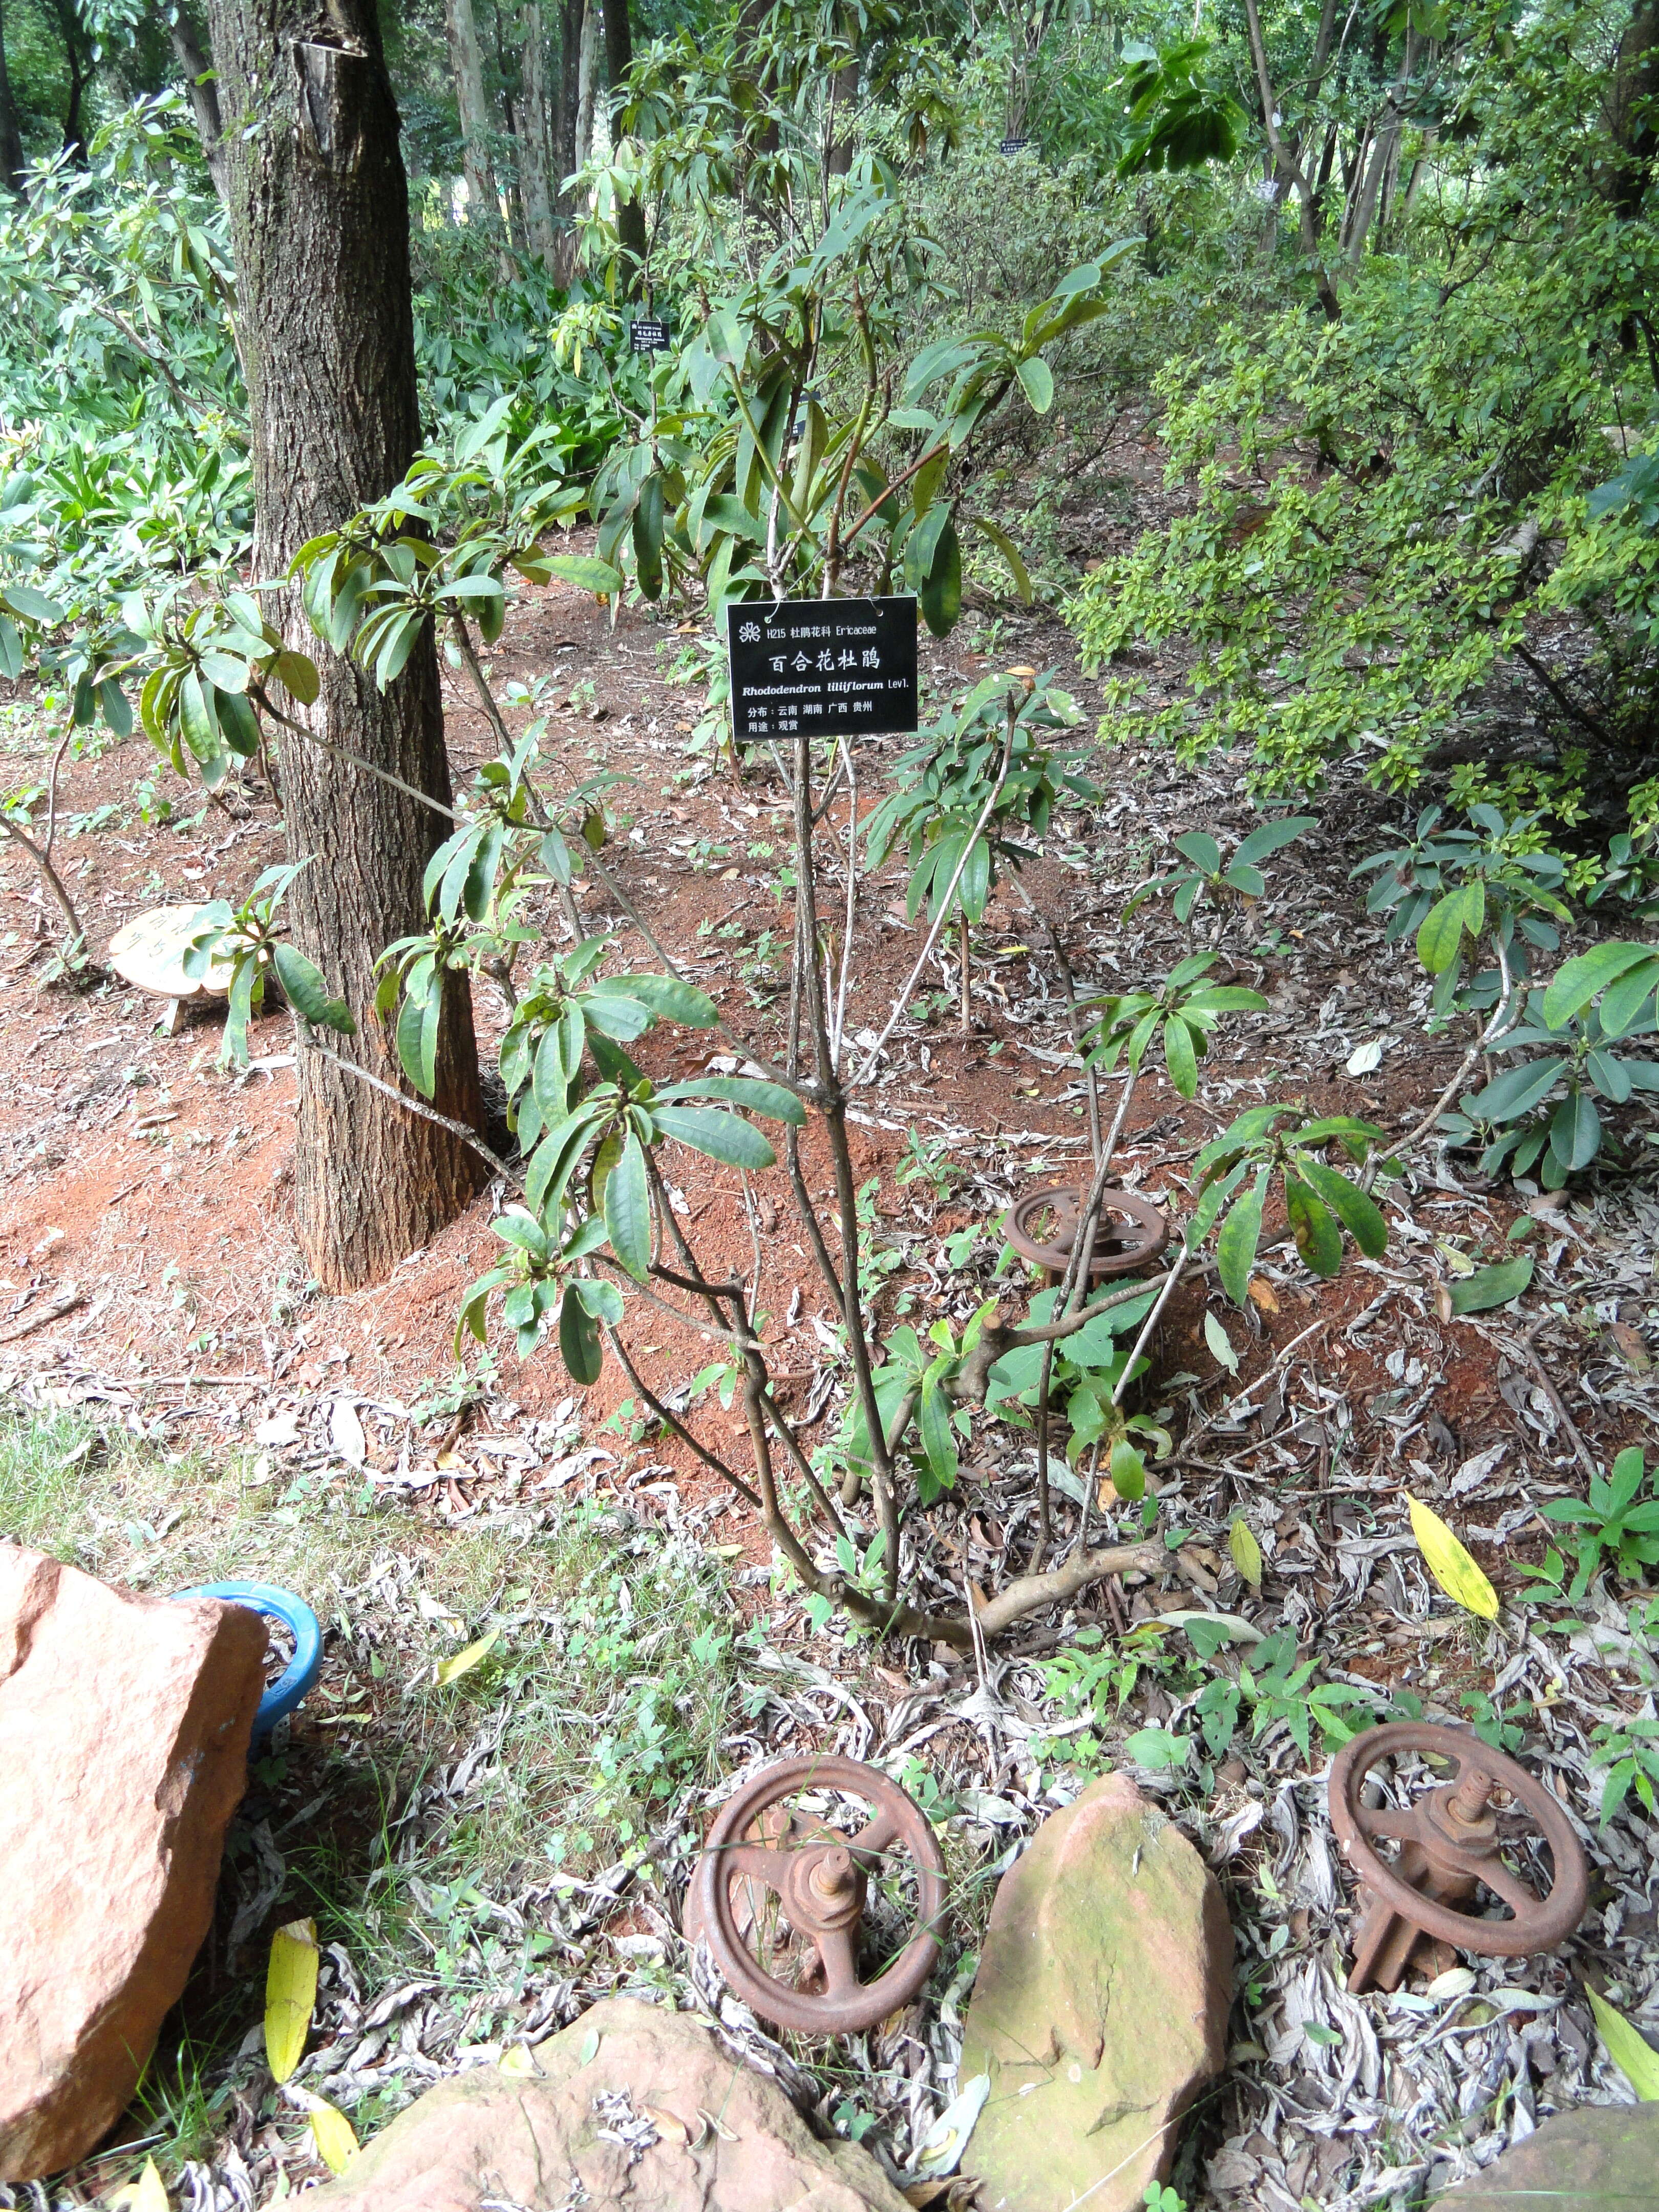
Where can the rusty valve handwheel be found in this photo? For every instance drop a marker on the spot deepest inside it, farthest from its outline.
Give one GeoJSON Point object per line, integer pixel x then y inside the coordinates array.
{"type": "Point", "coordinates": [1132, 1231]}
{"type": "Point", "coordinates": [820, 1879]}
{"type": "Point", "coordinates": [1449, 1848]}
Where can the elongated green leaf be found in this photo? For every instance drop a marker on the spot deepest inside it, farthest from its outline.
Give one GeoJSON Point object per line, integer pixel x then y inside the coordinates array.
{"type": "Point", "coordinates": [1624, 1003]}
{"type": "Point", "coordinates": [1577, 981]}
{"type": "Point", "coordinates": [308, 994]}
{"type": "Point", "coordinates": [1442, 928]}
{"type": "Point", "coordinates": [1516, 1091]}
{"type": "Point", "coordinates": [1011, 553]}
{"type": "Point", "coordinates": [940, 596]}
{"type": "Point", "coordinates": [668, 996]}
{"type": "Point", "coordinates": [1357, 1212]}
{"type": "Point", "coordinates": [196, 714]}
{"type": "Point", "coordinates": [1491, 1286]}
{"type": "Point", "coordinates": [579, 1340]}
{"type": "Point", "coordinates": [628, 1209]}
{"type": "Point", "coordinates": [1037, 382]}
{"type": "Point", "coordinates": [1241, 1233]}
{"type": "Point", "coordinates": [939, 1443]}
{"type": "Point", "coordinates": [717, 1136]}
{"type": "Point", "coordinates": [1179, 1056]}
{"type": "Point", "coordinates": [587, 573]}
{"type": "Point", "coordinates": [770, 1099]}
{"type": "Point", "coordinates": [1273, 837]}
{"type": "Point", "coordinates": [1318, 1239]}
{"type": "Point", "coordinates": [1576, 1131]}
{"type": "Point", "coordinates": [1628, 2048]}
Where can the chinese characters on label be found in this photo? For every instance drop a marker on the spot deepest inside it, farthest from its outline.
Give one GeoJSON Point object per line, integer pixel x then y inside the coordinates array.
{"type": "Point", "coordinates": [837, 668]}
{"type": "Point", "coordinates": [648, 334]}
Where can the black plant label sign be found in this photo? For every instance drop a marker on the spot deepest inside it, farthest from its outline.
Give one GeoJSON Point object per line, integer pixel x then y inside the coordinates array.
{"type": "Point", "coordinates": [649, 334]}
{"type": "Point", "coordinates": [1012, 146]}
{"type": "Point", "coordinates": [835, 668]}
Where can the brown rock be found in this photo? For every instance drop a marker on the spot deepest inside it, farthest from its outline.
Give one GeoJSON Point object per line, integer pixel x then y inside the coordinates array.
{"type": "Point", "coordinates": [1100, 2009]}
{"type": "Point", "coordinates": [709, 2134]}
{"type": "Point", "coordinates": [123, 1731]}
{"type": "Point", "coordinates": [1601, 2158]}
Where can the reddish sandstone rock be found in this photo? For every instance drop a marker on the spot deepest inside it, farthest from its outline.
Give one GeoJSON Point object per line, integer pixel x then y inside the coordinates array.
{"type": "Point", "coordinates": [632, 2107]}
{"type": "Point", "coordinates": [1600, 2157]}
{"type": "Point", "coordinates": [1100, 2009]}
{"type": "Point", "coordinates": [124, 1732]}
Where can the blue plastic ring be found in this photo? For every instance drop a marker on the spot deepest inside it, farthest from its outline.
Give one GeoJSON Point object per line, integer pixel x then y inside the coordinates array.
{"type": "Point", "coordinates": [302, 1670]}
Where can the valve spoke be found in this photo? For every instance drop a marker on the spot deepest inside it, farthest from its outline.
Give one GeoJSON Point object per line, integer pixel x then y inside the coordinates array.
{"type": "Point", "coordinates": [838, 1949]}
{"type": "Point", "coordinates": [755, 1861]}
{"type": "Point", "coordinates": [1518, 1895]}
{"type": "Point", "coordinates": [873, 1839]}
{"type": "Point", "coordinates": [1377, 1821]}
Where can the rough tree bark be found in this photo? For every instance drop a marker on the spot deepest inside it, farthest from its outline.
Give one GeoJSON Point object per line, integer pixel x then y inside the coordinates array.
{"type": "Point", "coordinates": [466, 68]}
{"type": "Point", "coordinates": [320, 216]}
{"type": "Point", "coordinates": [203, 90]}
{"type": "Point", "coordinates": [13, 173]}
{"type": "Point", "coordinates": [535, 194]}
{"type": "Point", "coordinates": [70, 27]}
{"type": "Point", "coordinates": [618, 60]}
{"type": "Point", "coordinates": [564, 137]}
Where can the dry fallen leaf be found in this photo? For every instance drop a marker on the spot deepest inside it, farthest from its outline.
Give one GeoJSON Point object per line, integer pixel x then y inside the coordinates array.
{"type": "Point", "coordinates": [1262, 1291]}
{"type": "Point", "coordinates": [1246, 1552]}
{"type": "Point", "coordinates": [1450, 1564]}
{"type": "Point", "coordinates": [1628, 2048]}
{"type": "Point", "coordinates": [1631, 1349]}
{"type": "Point", "coordinates": [147, 2194]}
{"type": "Point", "coordinates": [335, 2139]}
{"type": "Point", "coordinates": [290, 1995]}
{"type": "Point", "coordinates": [669, 2125]}
{"type": "Point", "coordinates": [463, 1662]}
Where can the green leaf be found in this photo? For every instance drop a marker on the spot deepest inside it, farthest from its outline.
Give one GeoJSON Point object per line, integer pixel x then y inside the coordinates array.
{"type": "Point", "coordinates": [1241, 1233]}
{"type": "Point", "coordinates": [1273, 837]}
{"type": "Point", "coordinates": [1628, 2048]}
{"type": "Point", "coordinates": [1011, 553]}
{"type": "Point", "coordinates": [308, 994]}
{"type": "Point", "coordinates": [938, 1444]}
{"type": "Point", "coordinates": [1576, 1131]}
{"type": "Point", "coordinates": [1179, 1056]}
{"type": "Point", "coordinates": [668, 998]}
{"type": "Point", "coordinates": [587, 573]}
{"type": "Point", "coordinates": [1442, 931]}
{"type": "Point", "coordinates": [1516, 1091]}
{"type": "Point", "coordinates": [1358, 1213]}
{"type": "Point", "coordinates": [579, 1340]}
{"type": "Point", "coordinates": [297, 674]}
{"type": "Point", "coordinates": [1577, 981]}
{"type": "Point", "coordinates": [1318, 1239]}
{"type": "Point", "coordinates": [719, 1135]}
{"type": "Point", "coordinates": [1450, 1565]}
{"type": "Point", "coordinates": [195, 713]}
{"type": "Point", "coordinates": [1491, 1286]}
{"type": "Point", "coordinates": [770, 1099]}
{"type": "Point", "coordinates": [628, 1209]}
{"type": "Point", "coordinates": [1037, 382]}
{"type": "Point", "coordinates": [940, 596]}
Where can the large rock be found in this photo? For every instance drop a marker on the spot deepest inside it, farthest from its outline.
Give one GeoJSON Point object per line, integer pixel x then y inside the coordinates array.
{"type": "Point", "coordinates": [1100, 2010]}
{"type": "Point", "coordinates": [124, 1732]}
{"type": "Point", "coordinates": [709, 2134]}
{"type": "Point", "coordinates": [1601, 2158]}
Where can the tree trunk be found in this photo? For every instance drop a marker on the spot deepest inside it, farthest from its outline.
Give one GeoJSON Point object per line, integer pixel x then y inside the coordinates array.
{"type": "Point", "coordinates": [618, 60]}
{"type": "Point", "coordinates": [564, 137]}
{"type": "Point", "coordinates": [587, 82]}
{"type": "Point", "coordinates": [843, 99]}
{"type": "Point", "coordinates": [12, 171]}
{"type": "Point", "coordinates": [1633, 101]}
{"type": "Point", "coordinates": [466, 67]}
{"type": "Point", "coordinates": [534, 191]}
{"type": "Point", "coordinates": [203, 90]}
{"type": "Point", "coordinates": [75, 144]}
{"type": "Point", "coordinates": [320, 216]}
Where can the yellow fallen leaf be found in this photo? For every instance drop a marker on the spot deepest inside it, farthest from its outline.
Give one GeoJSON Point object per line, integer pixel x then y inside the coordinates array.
{"type": "Point", "coordinates": [1450, 1564]}
{"type": "Point", "coordinates": [147, 2194]}
{"type": "Point", "coordinates": [1628, 2048]}
{"type": "Point", "coordinates": [335, 2139]}
{"type": "Point", "coordinates": [451, 1670]}
{"type": "Point", "coordinates": [1262, 1291]}
{"type": "Point", "coordinates": [518, 2060]}
{"type": "Point", "coordinates": [1246, 1552]}
{"type": "Point", "coordinates": [290, 1995]}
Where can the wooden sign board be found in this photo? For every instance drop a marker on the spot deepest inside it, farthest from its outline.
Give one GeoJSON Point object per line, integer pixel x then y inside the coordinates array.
{"type": "Point", "coordinates": [837, 668]}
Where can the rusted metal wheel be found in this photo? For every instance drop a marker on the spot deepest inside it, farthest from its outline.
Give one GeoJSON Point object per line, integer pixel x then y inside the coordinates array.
{"type": "Point", "coordinates": [1451, 1844]}
{"type": "Point", "coordinates": [1042, 1228]}
{"type": "Point", "coordinates": [778, 1884]}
